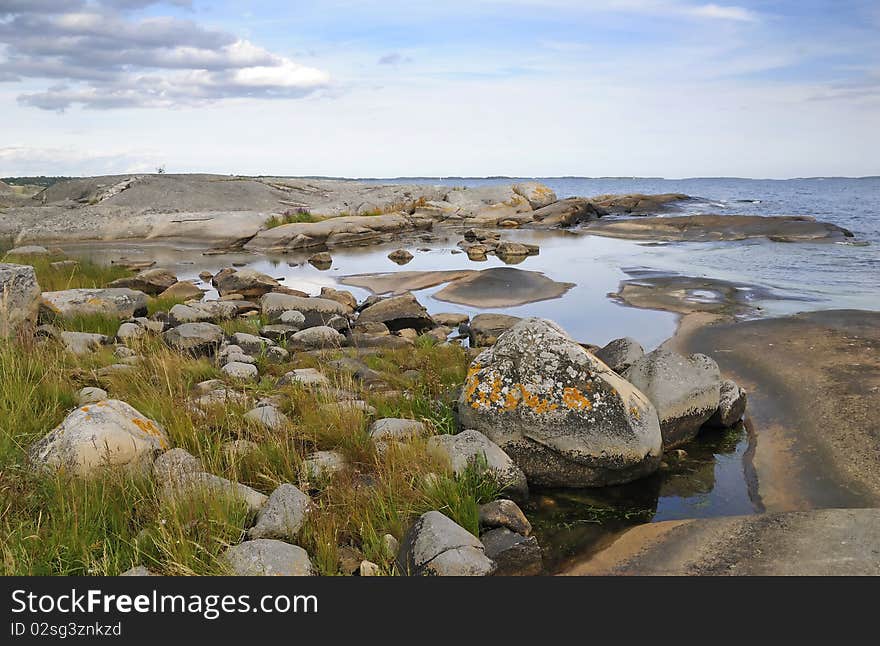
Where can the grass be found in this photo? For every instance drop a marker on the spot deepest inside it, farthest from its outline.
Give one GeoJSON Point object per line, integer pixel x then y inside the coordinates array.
{"type": "Point", "coordinates": [84, 274]}
{"type": "Point", "coordinates": [291, 217]}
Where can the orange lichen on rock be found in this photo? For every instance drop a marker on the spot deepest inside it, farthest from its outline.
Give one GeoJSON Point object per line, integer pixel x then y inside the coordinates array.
{"type": "Point", "coordinates": [575, 399]}
{"type": "Point", "coordinates": [149, 428]}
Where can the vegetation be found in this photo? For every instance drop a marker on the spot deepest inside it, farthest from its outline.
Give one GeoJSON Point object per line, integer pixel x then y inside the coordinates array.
{"type": "Point", "coordinates": [81, 273]}
{"type": "Point", "coordinates": [291, 217]}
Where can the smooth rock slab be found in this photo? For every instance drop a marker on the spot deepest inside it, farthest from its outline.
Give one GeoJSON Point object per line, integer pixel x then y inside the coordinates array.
{"type": "Point", "coordinates": [108, 433]}
{"type": "Point", "coordinates": [502, 287]}
{"type": "Point", "coordinates": [268, 557]}
{"type": "Point", "coordinates": [119, 302]}
{"type": "Point", "coordinates": [316, 311]}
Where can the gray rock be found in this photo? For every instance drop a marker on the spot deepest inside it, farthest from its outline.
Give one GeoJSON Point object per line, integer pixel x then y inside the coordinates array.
{"type": "Point", "coordinates": [267, 557]}
{"type": "Point", "coordinates": [28, 250]}
{"type": "Point", "coordinates": [195, 338]}
{"type": "Point", "coordinates": [90, 395]}
{"type": "Point", "coordinates": [82, 342]}
{"type": "Point", "coordinates": [268, 417]}
{"type": "Point", "coordinates": [228, 356]}
{"type": "Point", "coordinates": [183, 290]}
{"type": "Point", "coordinates": [347, 407]}
{"type": "Point", "coordinates": [504, 513]}
{"type": "Point", "coordinates": [276, 354]}
{"type": "Point", "coordinates": [202, 312]}
{"type": "Point", "coordinates": [109, 433]}
{"type": "Point", "coordinates": [241, 371]}
{"type": "Point", "coordinates": [294, 318]}
{"type": "Point", "coordinates": [731, 406]}
{"type": "Point", "coordinates": [436, 545]}
{"type": "Point", "coordinates": [389, 428]}
{"type": "Point", "coordinates": [323, 465]}
{"type": "Point", "coordinates": [514, 554]}
{"type": "Point", "coordinates": [564, 417]}
{"type": "Point", "coordinates": [250, 344]}
{"type": "Point", "coordinates": [536, 193]}
{"type": "Point", "coordinates": [484, 329]}
{"type": "Point", "coordinates": [340, 296]}
{"type": "Point", "coordinates": [685, 391]}
{"type": "Point", "coordinates": [237, 450]}
{"type": "Point", "coordinates": [317, 338]}
{"type": "Point", "coordinates": [283, 514]}
{"type": "Point", "coordinates": [138, 570]}
{"type": "Point", "coordinates": [20, 295]}
{"type": "Point", "coordinates": [130, 332]}
{"type": "Point", "coordinates": [401, 256]}
{"type": "Point", "coordinates": [566, 213]}
{"type": "Point", "coordinates": [149, 281]}
{"type": "Point", "coordinates": [451, 319]}
{"type": "Point", "coordinates": [278, 331]}
{"type": "Point", "coordinates": [317, 311]}
{"type": "Point", "coordinates": [368, 568]}
{"type": "Point", "coordinates": [247, 282]}
{"type": "Point", "coordinates": [122, 303]}
{"type": "Point", "coordinates": [397, 313]}
{"type": "Point", "coordinates": [472, 449]}
{"type": "Point", "coordinates": [321, 260]}
{"type": "Point", "coordinates": [173, 464]}
{"type": "Point", "coordinates": [620, 354]}
{"type": "Point", "coordinates": [188, 485]}
{"type": "Point", "coordinates": [307, 377]}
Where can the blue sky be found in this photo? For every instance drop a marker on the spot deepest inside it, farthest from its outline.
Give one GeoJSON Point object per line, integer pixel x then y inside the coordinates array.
{"type": "Point", "coordinates": [672, 88]}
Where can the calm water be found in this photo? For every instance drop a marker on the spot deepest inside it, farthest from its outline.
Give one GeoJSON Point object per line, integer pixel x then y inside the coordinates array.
{"type": "Point", "coordinates": [714, 479]}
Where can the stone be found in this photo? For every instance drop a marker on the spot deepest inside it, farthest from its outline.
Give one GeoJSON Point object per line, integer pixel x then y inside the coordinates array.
{"type": "Point", "coordinates": [368, 568]}
{"type": "Point", "coordinates": [206, 276]}
{"type": "Point", "coordinates": [283, 514]}
{"type": "Point", "coordinates": [250, 344]}
{"type": "Point", "coordinates": [306, 377]}
{"type": "Point", "coordinates": [241, 371]}
{"type": "Point", "coordinates": [138, 570]}
{"type": "Point", "coordinates": [437, 546]}
{"type": "Point", "coordinates": [28, 250]}
{"type": "Point", "coordinates": [484, 329]}
{"type": "Point", "coordinates": [340, 296]}
{"type": "Point", "coordinates": [317, 311]}
{"type": "Point", "coordinates": [293, 318]}
{"type": "Point", "coordinates": [276, 354]}
{"type": "Point", "coordinates": [504, 513]}
{"type": "Point", "coordinates": [183, 290]}
{"type": "Point", "coordinates": [269, 417]}
{"type": "Point", "coordinates": [358, 340]}
{"type": "Point", "coordinates": [173, 464]}
{"type": "Point", "coordinates": [390, 544]}
{"type": "Point", "coordinates": [321, 260]}
{"type": "Point", "coordinates": [397, 313]}
{"type": "Point", "coordinates": [82, 342]}
{"type": "Point", "coordinates": [620, 354]}
{"type": "Point", "coordinates": [323, 465]}
{"type": "Point", "coordinates": [316, 338]}
{"type": "Point", "coordinates": [90, 395]}
{"type": "Point", "coordinates": [451, 319]}
{"type": "Point", "coordinates": [189, 485]}
{"type": "Point", "coordinates": [685, 391]}
{"type": "Point", "coordinates": [197, 339]}
{"type": "Point", "coordinates": [537, 194]}
{"type": "Point", "coordinates": [502, 287]}
{"type": "Point", "coordinates": [278, 332]}
{"type": "Point", "coordinates": [472, 449]}
{"type": "Point", "coordinates": [19, 299]}
{"type": "Point", "coordinates": [339, 323]}
{"type": "Point", "coordinates": [247, 282]}
{"type": "Point", "coordinates": [513, 554]}
{"type": "Point", "coordinates": [566, 213]}
{"type": "Point", "coordinates": [237, 450]}
{"type": "Point", "coordinates": [268, 557]}
{"type": "Point", "coordinates": [563, 416]}
{"type": "Point", "coordinates": [149, 281]}
{"type": "Point", "coordinates": [408, 333]}
{"type": "Point", "coordinates": [122, 303]}
{"type": "Point", "coordinates": [130, 332]}
{"type": "Point", "coordinates": [208, 311]}
{"type": "Point", "coordinates": [731, 405]}
{"type": "Point", "coordinates": [109, 433]}
{"type": "Point", "coordinates": [507, 248]}
{"type": "Point", "coordinates": [477, 252]}
{"type": "Point", "coordinates": [389, 428]}
{"type": "Point", "coordinates": [348, 407]}
{"type": "Point", "coordinates": [401, 256]}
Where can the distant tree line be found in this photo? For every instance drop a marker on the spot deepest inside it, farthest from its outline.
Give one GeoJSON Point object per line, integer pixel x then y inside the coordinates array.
{"type": "Point", "coordinates": [42, 180]}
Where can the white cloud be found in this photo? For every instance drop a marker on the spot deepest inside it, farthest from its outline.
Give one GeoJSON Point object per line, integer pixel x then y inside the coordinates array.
{"type": "Point", "coordinates": [723, 12]}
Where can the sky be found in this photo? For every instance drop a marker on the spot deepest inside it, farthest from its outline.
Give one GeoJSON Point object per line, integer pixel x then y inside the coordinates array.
{"type": "Point", "coordinates": [532, 88]}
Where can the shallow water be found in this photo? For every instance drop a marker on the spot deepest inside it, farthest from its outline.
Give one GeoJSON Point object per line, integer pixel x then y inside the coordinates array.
{"type": "Point", "coordinates": [714, 479]}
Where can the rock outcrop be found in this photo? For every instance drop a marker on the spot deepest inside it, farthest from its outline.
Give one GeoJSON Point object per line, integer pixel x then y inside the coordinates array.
{"type": "Point", "coordinates": [19, 298]}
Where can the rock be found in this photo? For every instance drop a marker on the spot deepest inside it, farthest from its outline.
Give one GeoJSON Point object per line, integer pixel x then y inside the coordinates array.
{"type": "Point", "coordinates": [20, 296]}
{"type": "Point", "coordinates": [358, 370]}
{"type": "Point", "coordinates": [323, 465]}
{"type": "Point", "coordinates": [537, 194]}
{"type": "Point", "coordinates": [472, 449]}
{"type": "Point", "coordinates": [398, 312]}
{"type": "Point", "coordinates": [401, 256]}
{"type": "Point", "coordinates": [183, 290]}
{"type": "Point", "coordinates": [129, 332]}
{"type": "Point", "coordinates": [507, 248]}
{"type": "Point", "coordinates": [149, 281]}
{"type": "Point", "coordinates": [566, 213]}
{"type": "Point", "coordinates": [193, 312]}
{"type": "Point", "coordinates": [620, 354]}
{"type": "Point", "coordinates": [368, 568]}
{"type": "Point", "coordinates": [477, 252]}
{"type": "Point", "coordinates": [563, 416]}
{"type": "Point", "coordinates": [317, 338]}
{"type": "Point", "coordinates": [241, 371]}
{"type": "Point", "coordinates": [283, 514]}
{"type": "Point", "coordinates": [504, 513]}
{"type": "Point", "coordinates": [306, 377]}
{"type": "Point", "coordinates": [389, 428]}
{"type": "Point", "coordinates": [63, 264]}
{"type": "Point", "coordinates": [278, 332]}
{"type": "Point", "coordinates": [514, 554]}
{"type": "Point", "coordinates": [390, 545]}
{"type": "Point", "coordinates": [293, 318]}
{"type": "Point", "coordinates": [436, 545]}
{"type": "Point", "coordinates": [731, 406]}
{"type": "Point", "coordinates": [276, 354]}
{"type": "Point", "coordinates": [685, 391]}
{"type": "Point", "coordinates": [28, 250]}
{"type": "Point", "coordinates": [250, 344]}
{"type": "Point", "coordinates": [206, 276]}
{"type": "Point", "coordinates": [247, 282]}
{"type": "Point", "coordinates": [138, 570]}
{"type": "Point", "coordinates": [348, 407]}
{"type": "Point", "coordinates": [339, 323]}
{"type": "Point", "coordinates": [267, 557]}
{"type": "Point", "coordinates": [268, 417]}
{"type": "Point", "coordinates": [408, 333]}
{"type": "Point", "coordinates": [357, 340]}
{"type": "Point", "coordinates": [187, 485]}
{"type": "Point", "coordinates": [322, 260]}
{"type": "Point", "coordinates": [173, 464]}
{"type": "Point", "coordinates": [195, 338]}
{"type": "Point", "coordinates": [122, 303]}
{"type": "Point", "coordinates": [451, 319]}
{"type": "Point", "coordinates": [230, 355]}
{"type": "Point", "coordinates": [484, 329]}
{"type": "Point", "coordinates": [108, 433]}
{"type": "Point", "coordinates": [82, 342]}
{"type": "Point", "coordinates": [238, 450]}
{"type": "Point", "coordinates": [340, 296]}
{"type": "Point", "coordinates": [90, 395]}
{"type": "Point", "coordinates": [317, 311]}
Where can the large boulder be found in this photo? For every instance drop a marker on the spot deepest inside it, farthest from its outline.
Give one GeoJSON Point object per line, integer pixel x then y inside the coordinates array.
{"type": "Point", "coordinates": [118, 302]}
{"type": "Point", "coordinates": [195, 338]}
{"type": "Point", "coordinates": [484, 329]}
{"type": "Point", "coordinates": [398, 313]}
{"type": "Point", "coordinates": [436, 545]}
{"type": "Point", "coordinates": [19, 298]}
{"type": "Point", "coordinates": [268, 557]}
{"type": "Point", "coordinates": [149, 281]}
{"type": "Point", "coordinates": [193, 312]}
{"type": "Point", "coordinates": [472, 449]}
{"type": "Point", "coordinates": [315, 311]}
{"type": "Point", "coordinates": [563, 416]}
{"type": "Point", "coordinates": [685, 391]}
{"type": "Point", "coordinates": [250, 283]}
{"type": "Point", "coordinates": [316, 338]}
{"type": "Point", "coordinates": [566, 213]}
{"type": "Point", "coordinates": [107, 433]}
{"type": "Point", "coordinates": [536, 193]}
